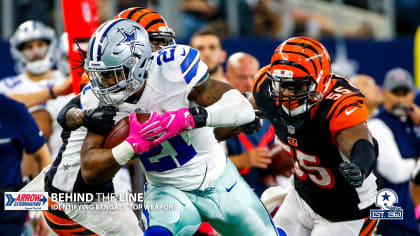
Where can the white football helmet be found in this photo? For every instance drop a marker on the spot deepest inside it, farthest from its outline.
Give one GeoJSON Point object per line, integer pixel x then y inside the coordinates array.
{"type": "Point", "coordinates": [26, 32]}
{"type": "Point", "coordinates": [119, 54]}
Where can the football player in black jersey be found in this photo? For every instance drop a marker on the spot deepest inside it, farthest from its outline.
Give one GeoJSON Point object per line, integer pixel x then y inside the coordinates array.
{"type": "Point", "coordinates": [320, 119]}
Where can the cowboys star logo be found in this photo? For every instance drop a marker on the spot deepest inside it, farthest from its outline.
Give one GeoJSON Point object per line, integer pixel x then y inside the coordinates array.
{"type": "Point", "coordinates": [130, 38]}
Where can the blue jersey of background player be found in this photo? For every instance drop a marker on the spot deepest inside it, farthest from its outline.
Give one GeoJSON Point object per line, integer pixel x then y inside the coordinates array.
{"type": "Point", "coordinates": [18, 133]}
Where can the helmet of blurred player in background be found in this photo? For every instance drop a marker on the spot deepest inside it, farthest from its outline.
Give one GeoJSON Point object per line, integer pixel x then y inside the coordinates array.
{"type": "Point", "coordinates": [33, 60]}
{"type": "Point", "coordinates": [119, 54]}
{"type": "Point", "coordinates": [160, 34]}
{"type": "Point", "coordinates": [61, 54]}
{"type": "Point", "coordinates": [299, 75]}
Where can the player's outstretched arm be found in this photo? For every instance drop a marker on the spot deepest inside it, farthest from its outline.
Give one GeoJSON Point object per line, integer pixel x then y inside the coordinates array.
{"type": "Point", "coordinates": [99, 120]}
{"type": "Point", "coordinates": [70, 116]}
{"type": "Point", "coordinates": [224, 105]}
{"type": "Point", "coordinates": [219, 106]}
{"type": "Point", "coordinates": [356, 144]}
{"type": "Point", "coordinates": [38, 98]}
{"type": "Point", "coordinates": [225, 133]}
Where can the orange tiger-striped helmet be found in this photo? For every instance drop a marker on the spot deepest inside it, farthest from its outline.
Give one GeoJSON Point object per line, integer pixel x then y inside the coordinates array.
{"type": "Point", "coordinates": [299, 74]}
{"type": "Point", "coordinates": [160, 34]}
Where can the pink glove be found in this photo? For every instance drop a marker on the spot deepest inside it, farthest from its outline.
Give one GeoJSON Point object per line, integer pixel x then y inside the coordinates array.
{"type": "Point", "coordinates": [139, 134]}
{"type": "Point", "coordinates": [417, 212]}
{"type": "Point", "coordinates": [170, 124]}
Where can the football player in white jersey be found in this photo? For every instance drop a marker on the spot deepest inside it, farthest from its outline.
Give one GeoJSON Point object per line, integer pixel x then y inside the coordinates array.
{"type": "Point", "coordinates": [64, 175]}
{"type": "Point", "coordinates": [64, 179]}
{"type": "Point", "coordinates": [26, 62]}
{"type": "Point", "coordinates": [122, 180]}
{"type": "Point", "coordinates": [185, 170]}
{"type": "Point", "coordinates": [130, 178]}
{"type": "Point", "coordinates": [32, 46]}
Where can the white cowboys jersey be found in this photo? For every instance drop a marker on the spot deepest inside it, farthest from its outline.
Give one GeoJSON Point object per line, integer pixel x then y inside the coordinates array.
{"type": "Point", "coordinates": [188, 161]}
{"type": "Point", "coordinates": [22, 84]}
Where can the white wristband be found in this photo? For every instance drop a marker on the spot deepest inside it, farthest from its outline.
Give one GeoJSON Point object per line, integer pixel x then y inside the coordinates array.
{"type": "Point", "coordinates": [123, 152]}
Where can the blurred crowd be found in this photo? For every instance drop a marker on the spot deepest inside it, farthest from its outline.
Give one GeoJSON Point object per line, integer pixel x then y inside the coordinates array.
{"type": "Point", "coordinates": [257, 18]}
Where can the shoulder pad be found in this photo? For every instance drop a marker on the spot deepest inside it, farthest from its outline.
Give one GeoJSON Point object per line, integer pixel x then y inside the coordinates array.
{"type": "Point", "coordinates": [88, 100]}
{"type": "Point", "coordinates": [347, 111]}
{"type": "Point", "coordinates": [176, 66]}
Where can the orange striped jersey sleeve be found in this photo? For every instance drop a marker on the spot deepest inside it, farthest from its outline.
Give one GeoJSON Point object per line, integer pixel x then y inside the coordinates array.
{"type": "Point", "coordinates": [346, 112]}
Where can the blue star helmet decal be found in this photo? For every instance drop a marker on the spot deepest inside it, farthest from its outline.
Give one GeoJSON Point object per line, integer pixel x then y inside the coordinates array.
{"type": "Point", "coordinates": [386, 197]}
{"type": "Point", "coordinates": [129, 38]}
{"type": "Point", "coordinates": [122, 47]}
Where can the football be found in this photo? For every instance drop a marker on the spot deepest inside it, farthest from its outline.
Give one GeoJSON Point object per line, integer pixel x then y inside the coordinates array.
{"type": "Point", "coordinates": [282, 163]}
{"type": "Point", "coordinates": [120, 131]}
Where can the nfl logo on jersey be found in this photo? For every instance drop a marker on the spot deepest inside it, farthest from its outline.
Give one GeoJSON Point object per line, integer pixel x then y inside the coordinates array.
{"type": "Point", "coordinates": [290, 129]}
{"type": "Point", "coordinates": [385, 199]}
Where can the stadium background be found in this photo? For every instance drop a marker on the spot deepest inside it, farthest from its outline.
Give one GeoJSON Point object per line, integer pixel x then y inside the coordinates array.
{"type": "Point", "coordinates": [389, 42]}
{"type": "Point", "coordinates": [390, 45]}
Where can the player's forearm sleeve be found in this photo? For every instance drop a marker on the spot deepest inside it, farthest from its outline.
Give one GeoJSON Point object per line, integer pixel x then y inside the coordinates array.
{"type": "Point", "coordinates": [364, 156]}
{"type": "Point", "coordinates": [61, 118]}
{"type": "Point", "coordinates": [232, 109]}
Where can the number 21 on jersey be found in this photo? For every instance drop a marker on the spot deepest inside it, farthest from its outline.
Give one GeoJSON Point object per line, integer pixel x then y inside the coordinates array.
{"type": "Point", "coordinates": [166, 55]}
{"type": "Point", "coordinates": [178, 153]}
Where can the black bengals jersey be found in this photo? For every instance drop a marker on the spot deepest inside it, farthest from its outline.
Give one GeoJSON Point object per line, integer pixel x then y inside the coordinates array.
{"type": "Point", "coordinates": [79, 185]}
{"type": "Point", "coordinates": [311, 142]}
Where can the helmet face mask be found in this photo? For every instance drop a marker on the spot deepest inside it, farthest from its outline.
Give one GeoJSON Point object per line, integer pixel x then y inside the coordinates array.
{"type": "Point", "coordinates": [119, 55]}
{"type": "Point", "coordinates": [294, 94]}
{"type": "Point", "coordinates": [159, 42]}
{"type": "Point", "coordinates": [111, 79]}
{"type": "Point", "coordinates": [111, 84]}
{"type": "Point", "coordinates": [299, 75]}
